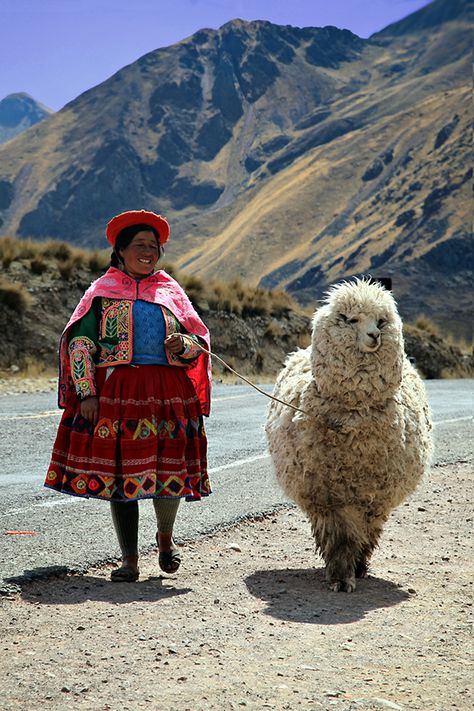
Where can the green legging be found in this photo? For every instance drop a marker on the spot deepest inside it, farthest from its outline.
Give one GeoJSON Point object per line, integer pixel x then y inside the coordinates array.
{"type": "Point", "coordinates": [125, 518]}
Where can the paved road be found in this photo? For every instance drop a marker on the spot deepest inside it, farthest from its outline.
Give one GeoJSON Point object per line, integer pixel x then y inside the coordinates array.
{"type": "Point", "coordinates": [77, 533]}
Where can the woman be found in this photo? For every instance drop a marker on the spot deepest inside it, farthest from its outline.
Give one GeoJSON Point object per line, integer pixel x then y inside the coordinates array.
{"type": "Point", "coordinates": [134, 384]}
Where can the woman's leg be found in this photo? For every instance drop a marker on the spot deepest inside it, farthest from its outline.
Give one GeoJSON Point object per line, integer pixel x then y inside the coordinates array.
{"type": "Point", "coordinates": [165, 511]}
{"type": "Point", "coordinates": [125, 519]}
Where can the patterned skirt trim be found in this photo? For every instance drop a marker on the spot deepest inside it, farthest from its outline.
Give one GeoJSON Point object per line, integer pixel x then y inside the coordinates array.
{"type": "Point", "coordinates": [149, 441]}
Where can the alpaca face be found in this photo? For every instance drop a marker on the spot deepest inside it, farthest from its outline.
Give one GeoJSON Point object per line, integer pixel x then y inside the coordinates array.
{"type": "Point", "coordinates": [357, 344]}
{"type": "Point", "coordinates": [367, 330]}
{"type": "Point", "coordinates": [358, 315]}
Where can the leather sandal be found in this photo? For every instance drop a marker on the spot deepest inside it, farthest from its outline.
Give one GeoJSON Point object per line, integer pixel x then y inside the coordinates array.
{"type": "Point", "coordinates": [125, 574]}
{"type": "Point", "coordinates": [169, 561]}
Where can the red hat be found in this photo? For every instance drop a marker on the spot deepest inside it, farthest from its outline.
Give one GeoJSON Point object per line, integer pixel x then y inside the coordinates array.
{"type": "Point", "coordinates": [137, 217]}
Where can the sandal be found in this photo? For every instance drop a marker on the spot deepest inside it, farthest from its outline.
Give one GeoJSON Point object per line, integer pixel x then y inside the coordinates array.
{"type": "Point", "coordinates": [169, 561]}
{"type": "Point", "coordinates": [125, 574]}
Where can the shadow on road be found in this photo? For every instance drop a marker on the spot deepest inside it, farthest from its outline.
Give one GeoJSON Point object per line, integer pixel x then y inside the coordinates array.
{"type": "Point", "coordinates": [76, 589]}
{"type": "Point", "coordinates": [301, 595]}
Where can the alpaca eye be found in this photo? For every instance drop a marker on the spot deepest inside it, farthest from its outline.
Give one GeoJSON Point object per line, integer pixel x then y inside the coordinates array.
{"type": "Point", "coordinates": [353, 320]}
{"type": "Point", "coordinates": [381, 322]}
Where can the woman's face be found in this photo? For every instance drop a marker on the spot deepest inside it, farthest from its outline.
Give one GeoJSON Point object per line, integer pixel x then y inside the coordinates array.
{"type": "Point", "coordinates": [141, 255]}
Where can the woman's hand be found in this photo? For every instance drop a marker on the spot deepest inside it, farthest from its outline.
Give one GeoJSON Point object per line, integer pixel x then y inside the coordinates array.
{"type": "Point", "coordinates": [90, 409]}
{"type": "Point", "coordinates": [174, 343]}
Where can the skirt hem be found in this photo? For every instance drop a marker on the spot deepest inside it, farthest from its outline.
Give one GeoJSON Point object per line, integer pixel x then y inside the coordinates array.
{"type": "Point", "coordinates": [125, 500]}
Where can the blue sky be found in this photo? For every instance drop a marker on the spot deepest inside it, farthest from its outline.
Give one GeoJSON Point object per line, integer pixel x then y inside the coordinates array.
{"type": "Point", "coordinates": [56, 49]}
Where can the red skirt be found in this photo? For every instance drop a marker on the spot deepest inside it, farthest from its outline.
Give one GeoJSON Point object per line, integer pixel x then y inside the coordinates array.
{"type": "Point", "coordinates": [149, 440]}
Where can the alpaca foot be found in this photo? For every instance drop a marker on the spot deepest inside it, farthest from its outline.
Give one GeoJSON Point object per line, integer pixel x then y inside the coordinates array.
{"type": "Point", "coordinates": [348, 585]}
{"type": "Point", "coordinates": [362, 568]}
{"type": "Point", "coordinates": [340, 575]}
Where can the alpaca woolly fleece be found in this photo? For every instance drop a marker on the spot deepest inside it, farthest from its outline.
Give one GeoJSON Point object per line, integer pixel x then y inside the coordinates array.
{"type": "Point", "coordinates": [364, 441]}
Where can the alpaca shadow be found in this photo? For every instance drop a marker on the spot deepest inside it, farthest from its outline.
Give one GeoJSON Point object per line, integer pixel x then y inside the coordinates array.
{"type": "Point", "coordinates": [77, 588]}
{"type": "Point", "coordinates": [302, 595]}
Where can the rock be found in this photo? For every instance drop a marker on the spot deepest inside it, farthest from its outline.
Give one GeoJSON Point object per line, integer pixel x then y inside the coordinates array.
{"type": "Point", "coordinates": [374, 170]}
{"type": "Point", "coordinates": [234, 547]}
{"type": "Point", "coordinates": [445, 132]}
{"type": "Point", "coordinates": [387, 704]}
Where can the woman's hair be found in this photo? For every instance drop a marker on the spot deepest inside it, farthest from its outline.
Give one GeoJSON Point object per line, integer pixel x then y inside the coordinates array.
{"type": "Point", "coordinates": [124, 238]}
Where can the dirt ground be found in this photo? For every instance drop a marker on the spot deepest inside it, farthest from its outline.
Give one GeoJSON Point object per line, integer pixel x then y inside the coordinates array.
{"type": "Point", "coordinates": [247, 623]}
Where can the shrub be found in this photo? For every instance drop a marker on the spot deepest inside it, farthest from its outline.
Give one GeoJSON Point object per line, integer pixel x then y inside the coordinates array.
{"type": "Point", "coordinates": [256, 303]}
{"type": "Point", "coordinates": [14, 296]}
{"type": "Point", "coordinates": [38, 265]}
{"type": "Point", "coordinates": [282, 303]}
{"type": "Point", "coordinates": [169, 269]}
{"type": "Point", "coordinates": [193, 285]}
{"type": "Point", "coordinates": [66, 268]}
{"type": "Point", "coordinates": [57, 250]}
{"type": "Point", "coordinates": [98, 260]}
{"type": "Point", "coordinates": [8, 251]}
{"type": "Point", "coordinates": [28, 248]}
{"type": "Point", "coordinates": [423, 323]}
{"type": "Point", "coordinates": [274, 331]}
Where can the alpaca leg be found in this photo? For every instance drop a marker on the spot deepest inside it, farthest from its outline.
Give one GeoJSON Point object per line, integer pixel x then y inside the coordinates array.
{"type": "Point", "coordinates": [340, 565]}
{"type": "Point", "coordinates": [337, 538]}
{"type": "Point", "coordinates": [373, 531]}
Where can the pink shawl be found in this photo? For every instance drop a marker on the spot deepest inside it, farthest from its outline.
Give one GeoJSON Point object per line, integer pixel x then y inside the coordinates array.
{"type": "Point", "coordinates": [159, 288]}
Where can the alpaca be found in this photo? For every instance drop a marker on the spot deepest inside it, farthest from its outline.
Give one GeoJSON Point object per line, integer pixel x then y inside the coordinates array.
{"type": "Point", "coordinates": [364, 440]}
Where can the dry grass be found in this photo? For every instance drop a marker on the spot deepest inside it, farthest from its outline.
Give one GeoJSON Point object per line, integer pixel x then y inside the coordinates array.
{"type": "Point", "coordinates": [14, 296]}
{"type": "Point", "coordinates": [51, 253]}
{"type": "Point", "coordinates": [423, 323]}
{"type": "Point", "coordinates": [457, 373]}
{"type": "Point", "coordinates": [234, 296]}
{"type": "Point", "coordinates": [462, 344]}
{"type": "Point", "coordinates": [33, 376]}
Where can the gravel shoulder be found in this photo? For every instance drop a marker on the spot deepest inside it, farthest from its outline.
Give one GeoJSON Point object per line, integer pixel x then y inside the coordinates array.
{"type": "Point", "coordinates": [248, 623]}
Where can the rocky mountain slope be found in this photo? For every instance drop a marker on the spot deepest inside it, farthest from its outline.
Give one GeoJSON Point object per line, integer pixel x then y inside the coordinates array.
{"type": "Point", "coordinates": [291, 157]}
{"type": "Point", "coordinates": [35, 307]}
{"type": "Point", "coordinates": [17, 113]}
{"type": "Point", "coordinates": [254, 340]}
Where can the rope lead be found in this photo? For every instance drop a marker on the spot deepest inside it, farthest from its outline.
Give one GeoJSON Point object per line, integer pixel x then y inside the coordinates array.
{"type": "Point", "coordinates": [226, 365]}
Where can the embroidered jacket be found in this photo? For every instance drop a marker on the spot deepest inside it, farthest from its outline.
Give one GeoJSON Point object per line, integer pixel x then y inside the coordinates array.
{"type": "Point", "coordinates": [100, 332]}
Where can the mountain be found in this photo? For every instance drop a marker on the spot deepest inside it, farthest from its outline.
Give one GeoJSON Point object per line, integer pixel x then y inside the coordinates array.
{"type": "Point", "coordinates": [430, 17]}
{"type": "Point", "coordinates": [291, 157]}
{"type": "Point", "coordinates": [17, 113]}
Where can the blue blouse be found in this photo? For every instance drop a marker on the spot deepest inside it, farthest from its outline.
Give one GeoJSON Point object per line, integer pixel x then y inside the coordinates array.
{"type": "Point", "coordinates": [149, 332]}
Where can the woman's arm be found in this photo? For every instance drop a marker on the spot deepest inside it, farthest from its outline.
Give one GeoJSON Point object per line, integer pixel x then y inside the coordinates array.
{"type": "Point", "coordinates": [186, 346]}
{"type": "Point", "coordinates": [82, 338]}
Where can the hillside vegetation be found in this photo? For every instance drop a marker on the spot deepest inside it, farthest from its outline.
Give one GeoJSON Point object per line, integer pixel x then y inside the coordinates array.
{"type": "Point", "coordinates": [252, 328]}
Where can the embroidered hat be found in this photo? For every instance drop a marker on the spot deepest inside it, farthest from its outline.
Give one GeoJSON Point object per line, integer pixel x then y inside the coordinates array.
{"type": "Point", "coordinates": [137, 217]}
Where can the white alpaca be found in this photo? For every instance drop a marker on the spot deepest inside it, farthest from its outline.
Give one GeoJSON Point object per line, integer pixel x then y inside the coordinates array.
{"type": "Point", "coordinates": [364, 441]}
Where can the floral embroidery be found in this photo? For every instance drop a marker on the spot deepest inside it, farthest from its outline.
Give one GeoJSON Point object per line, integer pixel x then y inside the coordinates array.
{"type": "Point", "coordinates": [116, 325]}
{"type": "Point", "coordinates": [191, 348]}
{"type": "Point", "coordinates": [106, 428]}
{"type": "Point", "coordinates": [81, 351]}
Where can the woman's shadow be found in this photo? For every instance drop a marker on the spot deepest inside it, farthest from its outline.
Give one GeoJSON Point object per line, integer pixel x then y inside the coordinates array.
{"type": "Point", "coordinates": [72, 589]}
{"type": "Point", "coordinates": [302, 595]}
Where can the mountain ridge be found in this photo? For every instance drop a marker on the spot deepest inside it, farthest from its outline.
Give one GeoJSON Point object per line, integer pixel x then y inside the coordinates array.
{"type": "Point", "coordinates": [18, 112]}
{"type": "Point", "coordinates": [289, 156]}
